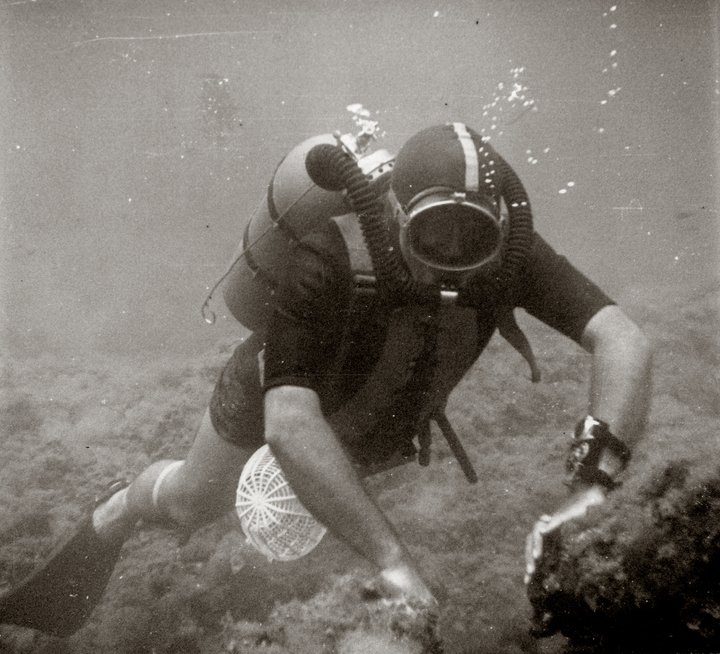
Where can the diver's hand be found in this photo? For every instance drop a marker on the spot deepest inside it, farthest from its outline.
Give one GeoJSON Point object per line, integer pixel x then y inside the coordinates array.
{"type": "Point", "coordinates": [407, 600]}
{"type": "Point", "coordinates": [403, 584]}
{"type": "Point", "coordinates": [576, 506]}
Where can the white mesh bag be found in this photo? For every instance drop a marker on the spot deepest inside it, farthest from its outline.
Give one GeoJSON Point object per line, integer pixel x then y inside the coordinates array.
{"type": "Point", "coordinates": [271, 517]}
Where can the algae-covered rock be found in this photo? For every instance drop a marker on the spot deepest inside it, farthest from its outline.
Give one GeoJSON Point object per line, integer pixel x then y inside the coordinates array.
{"type": "Point", "coordinates": [642, 574]}
{"type": "Point", "coordinates": [348, 617]}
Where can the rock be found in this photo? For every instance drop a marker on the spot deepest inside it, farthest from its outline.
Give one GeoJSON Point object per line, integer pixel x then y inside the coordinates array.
{"type": "Point", "coordinates": [640, 575]}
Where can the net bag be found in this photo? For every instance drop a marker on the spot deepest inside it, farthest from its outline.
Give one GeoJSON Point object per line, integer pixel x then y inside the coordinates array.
{"type": "Point", "coordinates": [271, 517]}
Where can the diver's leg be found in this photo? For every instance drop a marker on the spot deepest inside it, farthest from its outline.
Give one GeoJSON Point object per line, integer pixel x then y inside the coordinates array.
{"type": "Point", "coordinates": [199, 489]}
{"type": "Point", "coordinates": [62, 592]}
{"type": "Point", "coordinates": [59, 596]}
{"type": "Point", "coordinates": [186, 493]}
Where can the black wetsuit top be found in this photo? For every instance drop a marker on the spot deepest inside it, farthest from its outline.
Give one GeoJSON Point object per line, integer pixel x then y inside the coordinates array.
{"type": "Point", "coordinates": [326, 337]}
{"type": "Point", "coordinates": [317, 316]}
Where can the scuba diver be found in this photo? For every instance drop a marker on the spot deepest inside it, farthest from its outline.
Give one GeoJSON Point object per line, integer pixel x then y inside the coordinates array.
{"type": "Point", "coordinates": [371, 284]}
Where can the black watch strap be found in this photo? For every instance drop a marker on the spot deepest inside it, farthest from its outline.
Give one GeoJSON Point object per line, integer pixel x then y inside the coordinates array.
{"type": "Point", "coordinates": [593, 437]}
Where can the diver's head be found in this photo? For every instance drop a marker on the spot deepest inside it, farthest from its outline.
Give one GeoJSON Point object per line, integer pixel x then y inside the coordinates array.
{"type": "Point", "coordinates": [447, 205]}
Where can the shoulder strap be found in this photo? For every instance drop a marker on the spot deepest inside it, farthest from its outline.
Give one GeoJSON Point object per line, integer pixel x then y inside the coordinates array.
{"type": "Point", "coordinates": [349, 227]}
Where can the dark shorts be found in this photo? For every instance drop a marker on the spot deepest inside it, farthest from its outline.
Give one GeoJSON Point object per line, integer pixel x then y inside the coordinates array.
{"type": "Point", "coordinates": [236, 411]}
{"type": "Point", "coordinates": [236, 407]}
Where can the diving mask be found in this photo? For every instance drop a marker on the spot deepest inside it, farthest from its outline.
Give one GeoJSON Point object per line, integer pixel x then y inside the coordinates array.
{"type": "Point", "coordinates": [447, 236]}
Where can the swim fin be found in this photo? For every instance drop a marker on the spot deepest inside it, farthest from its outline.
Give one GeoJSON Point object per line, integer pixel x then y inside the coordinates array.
{"type": "Point", "coordinates": [59, 596]}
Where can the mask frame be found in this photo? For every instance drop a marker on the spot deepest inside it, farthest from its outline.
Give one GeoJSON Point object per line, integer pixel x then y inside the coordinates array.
{"type": "Point", "coordinates": [423, 266]}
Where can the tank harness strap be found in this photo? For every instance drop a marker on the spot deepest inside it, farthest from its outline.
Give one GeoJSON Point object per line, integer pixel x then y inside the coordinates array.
{"type": "Point", "coordinates": [511, 332]}
{"type": "Point", "coordinates": [278, 218]}
{"type": "Point", "coordinates": [456, 446]}
{"type": "Point", "coordinates": [257, 271]}
{"type": "Point", "coordinates": [360, 261]}
{"type": "Point", "coordinates": [425, 441]}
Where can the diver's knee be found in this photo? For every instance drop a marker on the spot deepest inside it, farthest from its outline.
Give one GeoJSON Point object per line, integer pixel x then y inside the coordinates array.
{"type": "Point", "coordinates": [191, 504]}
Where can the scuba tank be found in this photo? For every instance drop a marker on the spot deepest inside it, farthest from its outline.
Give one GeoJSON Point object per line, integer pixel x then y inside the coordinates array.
{"type": "Point", "coordinates": [293, 207]}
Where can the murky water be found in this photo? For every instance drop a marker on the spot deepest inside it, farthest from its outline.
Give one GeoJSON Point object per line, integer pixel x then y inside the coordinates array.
{"type": "Point", "coordinates": [137, 136]}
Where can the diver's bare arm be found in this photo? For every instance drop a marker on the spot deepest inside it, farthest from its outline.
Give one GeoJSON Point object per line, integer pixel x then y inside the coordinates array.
{"type": "Point", "coordinates": [619, 395]}
{"type": "Point", "coordinates": [620, 383]}
{"type": "Point", "coordinates": [325, 481]}
{"type": "Point", "coordinates": [619, 392]}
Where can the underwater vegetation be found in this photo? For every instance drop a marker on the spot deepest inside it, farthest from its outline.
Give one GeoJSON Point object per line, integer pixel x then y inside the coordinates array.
{"type": "Point", "coordinates": [636, 575]}
{"type": "Point", "coordinates": [644, 576]}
